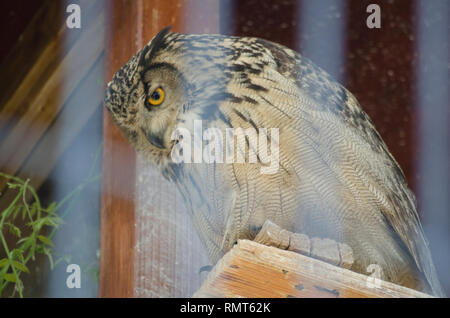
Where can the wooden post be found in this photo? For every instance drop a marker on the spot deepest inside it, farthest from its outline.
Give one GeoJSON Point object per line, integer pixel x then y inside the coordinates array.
{"type": "Point", "coordinates": [148, 247]}
{"type": "Point", "coordinates": [168, 253]}
{"type": "Point", "coordinates": [119, 162]}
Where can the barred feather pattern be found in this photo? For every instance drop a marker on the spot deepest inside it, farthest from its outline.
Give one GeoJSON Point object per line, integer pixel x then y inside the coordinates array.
{"type": "Point", "coordinates": [336, 178]}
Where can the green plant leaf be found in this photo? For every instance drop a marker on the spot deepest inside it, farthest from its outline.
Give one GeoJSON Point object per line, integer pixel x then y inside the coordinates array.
{"type": "Point", "coordinates": [4, 262]}
{"type": "Point", "coordinates": [24, 239]}
{"type": "Point", "coordinates": [13, 185]}
{"type": "Point", "coordinates": [45, 240]}
{"type": "Point", "coordinates": [10, 278]}
{"type": "Point", "coordinates": [53, 221]}
{"type": "Point", "coordinates": [20, 267]}
{"type": "Point", "coordinates": [24, 212]}
{"type": "Point", "coordinates": [16, 211]}
{"type": "Point", "coordinates": [14, 230]}
{"type": "Point", "coordinates": [29, 238]}
{"type": "Point", "coordinates": [33, 209]}
{"type": "Point", "coordinates": [18, 255]}
{"type": "Point", "coordinates": [31, 244]}
{"type": "Point", "coordinates": [30, 254]}
{"type": "Point", "coordinates": [51, 208]}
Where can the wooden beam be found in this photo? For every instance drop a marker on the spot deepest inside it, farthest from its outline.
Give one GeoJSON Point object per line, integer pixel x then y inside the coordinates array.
{"type": "Point", "coordinates": [26, 70]}
{"type": "Point", "coordinates": [252, 270]}
{"type": "Point", "coordinates": [44, 25]}
{"type": "Point", "coordinates": [118, 184]}
{"type": "Point", "coordinates": [50, 95]}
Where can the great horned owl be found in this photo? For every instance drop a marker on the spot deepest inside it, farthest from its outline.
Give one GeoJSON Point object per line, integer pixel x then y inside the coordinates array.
{"type": "Point", "coordinates": [336, 178]}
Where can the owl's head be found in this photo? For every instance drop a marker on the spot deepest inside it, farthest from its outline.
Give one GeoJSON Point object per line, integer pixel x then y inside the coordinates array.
{"type": "Point", "coordinates": [146, 96]}
{"type": "Point", "coordinates": [178, 78]}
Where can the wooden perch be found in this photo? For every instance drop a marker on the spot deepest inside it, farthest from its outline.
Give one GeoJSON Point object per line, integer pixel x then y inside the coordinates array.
{"type": "Point", "coordinates": [253, 270]}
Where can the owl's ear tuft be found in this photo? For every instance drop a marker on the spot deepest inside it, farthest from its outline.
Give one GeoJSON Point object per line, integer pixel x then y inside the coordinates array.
{"type": "Point", "coordinates": [154, 46]}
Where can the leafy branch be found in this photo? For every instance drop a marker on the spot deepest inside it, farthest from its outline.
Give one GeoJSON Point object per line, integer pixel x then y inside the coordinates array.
{"type": "Point", "coordinates": [38, 221]}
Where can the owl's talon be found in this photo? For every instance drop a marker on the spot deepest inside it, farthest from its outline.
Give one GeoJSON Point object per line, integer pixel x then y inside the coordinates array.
{"type": "Point", "coordinates": [327, 250]}
{"type": "Point", "coordinates": [346, 254]}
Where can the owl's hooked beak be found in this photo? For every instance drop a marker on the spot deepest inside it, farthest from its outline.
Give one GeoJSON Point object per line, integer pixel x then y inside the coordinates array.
{"type": "Point", "coordinates": [155, 140]}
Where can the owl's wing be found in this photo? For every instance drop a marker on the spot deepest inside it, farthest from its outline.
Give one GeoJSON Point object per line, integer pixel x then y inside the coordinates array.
{"type": "Point", "coordinates": [336, 101]}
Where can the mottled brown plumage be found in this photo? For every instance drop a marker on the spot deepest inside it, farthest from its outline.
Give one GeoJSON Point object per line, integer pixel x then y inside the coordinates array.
{"type": "Point", "coordinates": [336, 177]}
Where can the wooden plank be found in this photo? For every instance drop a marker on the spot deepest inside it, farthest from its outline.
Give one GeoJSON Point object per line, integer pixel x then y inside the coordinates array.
{"type": "Point", "coordinates": [44, 25]}
{"type": "Point", "coordinates": [25, 71]}
{"type": "Point", "coordinates": [252, 270]}
{"type": "Point", "coordinates": [117, 208]}
{"type": "Point", "coordinates": [52, 94]}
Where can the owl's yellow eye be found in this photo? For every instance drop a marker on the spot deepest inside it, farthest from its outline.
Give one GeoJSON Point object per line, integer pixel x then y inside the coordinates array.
{"type": "Point", "coordinates": [157, 97]}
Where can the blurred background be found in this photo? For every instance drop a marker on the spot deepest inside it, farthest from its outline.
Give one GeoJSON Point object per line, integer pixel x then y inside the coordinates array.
{"type": "Point", "coordinates": [119, 228]}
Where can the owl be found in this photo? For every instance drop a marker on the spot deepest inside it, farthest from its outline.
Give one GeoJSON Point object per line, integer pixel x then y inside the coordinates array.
{"type": "Point", "coordinates": [333, 176]}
